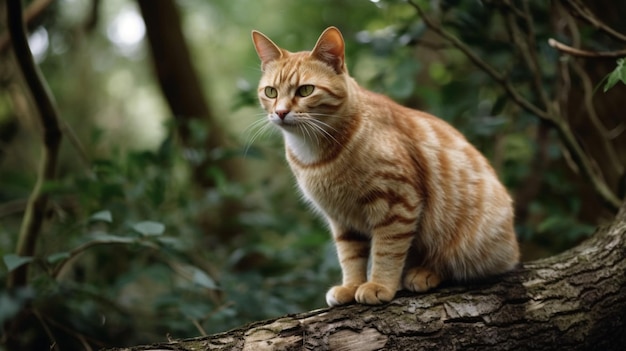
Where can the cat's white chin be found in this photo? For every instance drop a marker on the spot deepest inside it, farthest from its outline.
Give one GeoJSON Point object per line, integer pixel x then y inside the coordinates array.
{"type": "Point", "coordinates": [301, 147]}
{"type": "Point", "coordinates": [283, 123]}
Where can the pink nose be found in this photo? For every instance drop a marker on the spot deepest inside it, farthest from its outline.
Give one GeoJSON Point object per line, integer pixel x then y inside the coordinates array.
{"type": "Point", "coordinates": [282, 113]}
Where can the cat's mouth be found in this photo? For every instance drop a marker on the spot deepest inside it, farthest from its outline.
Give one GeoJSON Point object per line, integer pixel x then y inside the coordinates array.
{"type": "Point", "coordinates": [286, 121]}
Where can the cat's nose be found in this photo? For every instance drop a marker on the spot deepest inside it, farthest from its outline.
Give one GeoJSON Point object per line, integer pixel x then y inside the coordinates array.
{"type": "Point", "coordinates": [282, 113]}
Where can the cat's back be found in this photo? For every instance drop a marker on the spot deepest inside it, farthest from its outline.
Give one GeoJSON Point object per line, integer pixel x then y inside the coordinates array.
{"type": "Point", "coordinates": [451, 174]}
{"type": "Point", "coordinates": [415, 126]}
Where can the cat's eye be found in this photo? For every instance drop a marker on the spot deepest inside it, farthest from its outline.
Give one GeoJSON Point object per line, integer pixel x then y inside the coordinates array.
{"type": "Point", "coordinates": [271, 92]}
{"type": "Point", "coordinates": [305, 90]}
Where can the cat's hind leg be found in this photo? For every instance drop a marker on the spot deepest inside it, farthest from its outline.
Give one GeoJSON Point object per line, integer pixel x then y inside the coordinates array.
{"type": "Point", "coordinates": [420, 279]}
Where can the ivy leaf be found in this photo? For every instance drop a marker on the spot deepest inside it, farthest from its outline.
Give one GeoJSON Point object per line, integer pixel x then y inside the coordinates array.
{"type": "Point", "coordinates": [104, 216]}
{"type": "Point", "coordinates": [149, 228]}
{"type": "Point", "coordinates": [13, 261]}
{"type": "Point", "coordinates": [105, 238]}
{"type": "Point", "coordinates": [618, 74]}
{"type": "Point", "coordinates": [59, 256]}
{"type": "Point", "coordinates": [203, 279]}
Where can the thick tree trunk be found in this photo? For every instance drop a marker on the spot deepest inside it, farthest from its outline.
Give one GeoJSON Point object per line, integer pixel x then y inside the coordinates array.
{"type": "Point", "coordinates": [181, 86]}
{"type": "Point", "coordinates": [573, 301]}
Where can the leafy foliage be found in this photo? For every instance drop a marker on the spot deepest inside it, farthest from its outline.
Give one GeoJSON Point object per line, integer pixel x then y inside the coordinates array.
{"type": "Point", "coordinates": [118, 261]}
{"type": "Point", "coordinates": [618, 75]}
{"type": "Point", "coordinates": [133, 251]}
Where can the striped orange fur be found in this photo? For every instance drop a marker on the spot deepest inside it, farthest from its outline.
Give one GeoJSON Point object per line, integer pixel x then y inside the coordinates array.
{"type": "Point", "coordinates": [397, 186]}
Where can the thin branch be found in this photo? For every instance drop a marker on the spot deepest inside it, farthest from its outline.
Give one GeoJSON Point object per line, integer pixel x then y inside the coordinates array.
{"type": "Point", "coordinates": [94, 15]}
{"type": "Point", "coordinates": [606, 134]}
{"type": "Point", "coordinates": [550, 114]}
{"type": "Point", "coordinates": [585, 53]}
{"type": "Point", "coordinates": [487, 68]}
{"type": "Point", "coordinates": [54, 346]}
{"type": "Point", "coordinates": [527, 48]}
{"type": "Point", "coordinates": [582, 11]}
{"type": "Point", "coordinates": [84, 340]}
{"type": "Point", "coordinates": [33, 12]}
{"type": "Point", "coordinates": [38, 201]}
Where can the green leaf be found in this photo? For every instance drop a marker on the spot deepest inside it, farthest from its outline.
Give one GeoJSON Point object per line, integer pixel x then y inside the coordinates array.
{"type": "Point", "coordinates": [149, 228]}
{"type": "Point", "coordinates": [203, 279]}
{"type": "Point", "coordinates": [618, 74]}
{"type": "Point", "coordinates": [59, 256]}
{"type": "Point", "coordinates": [499, 105]}
{"type": "Point", "coordinates": [112, 239]}
{"type": "Point", "coordinates": [54, 187]}
{"type": "Point", "coordinates": [104, 216]}
{"type": "Point", "coordinates": [13, 261]}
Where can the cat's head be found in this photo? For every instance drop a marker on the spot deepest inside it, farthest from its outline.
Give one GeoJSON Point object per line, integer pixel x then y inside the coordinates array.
{"type": "Point", "coordinates": [303, 92]}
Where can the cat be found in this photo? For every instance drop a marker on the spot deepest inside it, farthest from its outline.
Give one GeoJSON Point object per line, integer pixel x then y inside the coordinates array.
{"type": "Point", "coordinates": [395, 184]}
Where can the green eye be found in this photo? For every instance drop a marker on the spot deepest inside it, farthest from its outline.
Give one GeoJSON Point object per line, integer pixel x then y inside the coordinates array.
{"type": "Point", "coordinates": [271, 92]}
{"type": "Point", "coordinates": [305, 90]}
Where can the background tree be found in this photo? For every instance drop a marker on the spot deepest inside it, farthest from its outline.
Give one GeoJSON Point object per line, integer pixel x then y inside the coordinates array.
{"type": "Point", "coordinates": [131, 249]}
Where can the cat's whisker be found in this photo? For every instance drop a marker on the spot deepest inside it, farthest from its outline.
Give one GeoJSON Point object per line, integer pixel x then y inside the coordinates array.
{"type": "Point", "coordinates": [319, 125]}
{"type": "Point", "coordinates": [311, 133]}
{"type": "Point", "coordinates": [254, 127]}
{"type": "Point", "coordinates": [261, 128]}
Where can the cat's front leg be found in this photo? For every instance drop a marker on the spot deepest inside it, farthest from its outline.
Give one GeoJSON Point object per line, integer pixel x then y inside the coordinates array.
{"type": "Point", "coordinates": [353, 252]}
{"type": "Point", "coordinates": [390, 245]}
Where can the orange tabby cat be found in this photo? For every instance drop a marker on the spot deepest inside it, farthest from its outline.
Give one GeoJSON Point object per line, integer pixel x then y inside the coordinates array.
{"type": "Point", "coordinates": [396, 184]}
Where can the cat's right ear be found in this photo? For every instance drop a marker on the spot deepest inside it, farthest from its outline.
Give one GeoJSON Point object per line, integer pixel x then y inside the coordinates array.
{"type": "Point", "coordinates": [265, 48]}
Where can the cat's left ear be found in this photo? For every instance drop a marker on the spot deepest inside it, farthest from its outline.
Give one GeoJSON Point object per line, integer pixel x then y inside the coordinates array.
{"type": "Point", "coordinates": [330, 49]}
{"type": "Point", "coordinates": [265, 48]}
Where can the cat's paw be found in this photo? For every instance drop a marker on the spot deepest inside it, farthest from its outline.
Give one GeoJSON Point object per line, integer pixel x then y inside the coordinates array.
{"type": "Point", "coordinates": [340, 295]}
{"type": "Point", "coordinates": [374, 294]}
{"type": "Point", "coordinates": [420, 279]}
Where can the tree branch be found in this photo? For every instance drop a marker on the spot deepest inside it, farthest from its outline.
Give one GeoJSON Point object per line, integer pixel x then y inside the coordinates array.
{"type": "Point", "coordinates": [582, 11]}
{"type": "Point", "coordinates": [33, 12]}
{"type": "Point", "coordinates": [573, 301]}
{"type": "Point", "coordinates": [606, 135]}
{"type": "Point", "coordinates": [480, 63]}
{"type": "Point", "coordinates": [181, 86]}
{"type": "Point", "coordinates": [37, 203]}
{"type": "Point", "coordinates": [585, 53]}
{"type": "Point", "coordinates": [550, 114]}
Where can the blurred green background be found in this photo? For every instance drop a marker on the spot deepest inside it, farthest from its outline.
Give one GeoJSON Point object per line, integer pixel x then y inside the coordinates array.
{"type": "Point", "coordinates": [166, 222]}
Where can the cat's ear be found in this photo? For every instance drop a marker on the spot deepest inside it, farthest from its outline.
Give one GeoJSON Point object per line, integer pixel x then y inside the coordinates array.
{"type": "Point", "coordinates": [330, 49]}
{"type": "Point", "coordinates": [265, 48]}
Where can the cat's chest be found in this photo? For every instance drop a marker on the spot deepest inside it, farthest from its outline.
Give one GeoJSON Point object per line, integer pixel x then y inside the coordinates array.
{"type": "Point", "coordinates": [336, 193]}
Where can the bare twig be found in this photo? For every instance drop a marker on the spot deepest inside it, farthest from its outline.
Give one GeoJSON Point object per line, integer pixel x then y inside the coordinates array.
{"type": "Point", "coordinates": [94, 15]}
{"type": "Point", "coordinates": [54, 346]}
{"type": "Point", "coordinates": [550, 114]}
{"type": "Point", "coordinates": [526, 46]}
{"type": "Point", "coordinates": [32, 13]}
{"type": "Point", "coordinates": [585, 53]}
{"type": "Point", "coordinates": [605, 135]}
{"type": "Point", "coordinates": [492, 72]}
{"type": "Point", "coordinates": [582, 11]}
{"type": "Point", "coordinates": [38, 201]}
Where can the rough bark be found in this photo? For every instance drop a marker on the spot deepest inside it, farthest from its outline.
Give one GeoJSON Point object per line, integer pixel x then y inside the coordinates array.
{"type": "Point", "coordinates": [572, 301]}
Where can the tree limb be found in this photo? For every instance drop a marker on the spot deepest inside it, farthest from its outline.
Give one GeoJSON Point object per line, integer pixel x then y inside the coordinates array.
{"type": "Point", "coordinates": [480, 63]}
{"type": "Point", "coordinates": [37, 203]}
{"type": "Point", "coordinates": [585, 53]}
{"type": "Point", "coordinates": [550, 113]}
{"type": "Point", "coordinates": [180, 84]}
{"type": "Point", "coordinates": [573, 301]}
{"type": "Point", "coordinates": [33, 12]}
{"type": "Point", "coordinates": [582, 11]}
{"type": "Point", "coordinates": [526, 45]}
